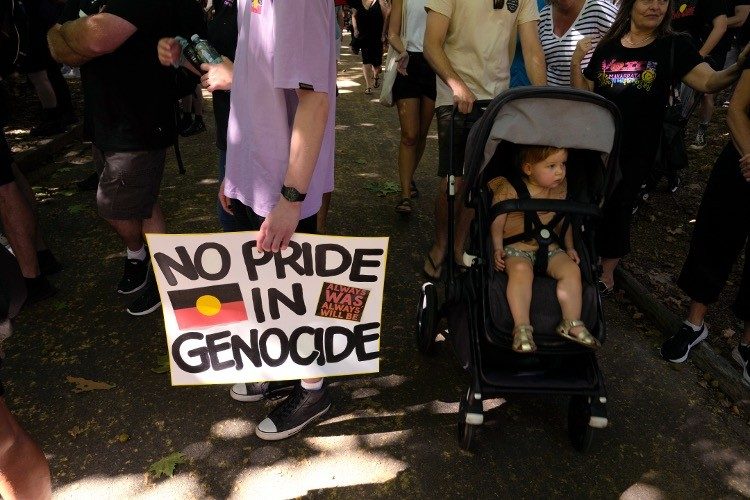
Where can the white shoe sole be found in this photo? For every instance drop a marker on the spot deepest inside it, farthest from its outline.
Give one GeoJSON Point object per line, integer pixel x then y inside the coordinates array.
{"type": "Point", "coordinates": [745, 375]}
{"type": "Point", "coordinates": [145, 311]}
{"type": "Point", "coordinates": [698, 340]}
{"type": "Point", "coordinates": [245, 398]}
{"type": "Point", "coordinates": [277, 436]}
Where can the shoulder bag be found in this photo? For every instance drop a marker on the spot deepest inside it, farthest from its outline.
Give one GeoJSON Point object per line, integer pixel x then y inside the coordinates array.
{"type": "Point", "coordinates": [391, 64]}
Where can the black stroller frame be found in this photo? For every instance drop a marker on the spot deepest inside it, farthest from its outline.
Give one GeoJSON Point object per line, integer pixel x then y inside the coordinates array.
{"type": "Point", "coordinates": [559, 367]}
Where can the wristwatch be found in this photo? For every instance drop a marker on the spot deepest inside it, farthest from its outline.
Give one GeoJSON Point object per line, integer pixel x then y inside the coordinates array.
{"type": "Point", "coordinates": [291, 194]}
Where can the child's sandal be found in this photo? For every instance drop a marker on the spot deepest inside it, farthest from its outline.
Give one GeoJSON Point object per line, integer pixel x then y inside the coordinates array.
{"type": "Point", "coordinates": [583, 337]}
{"type": "Point", "coordinates": [523, 341]}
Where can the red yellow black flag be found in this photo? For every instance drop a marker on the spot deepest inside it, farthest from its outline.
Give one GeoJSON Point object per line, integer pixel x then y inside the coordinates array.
{"type": "Point", "coordinates": [208, 306]}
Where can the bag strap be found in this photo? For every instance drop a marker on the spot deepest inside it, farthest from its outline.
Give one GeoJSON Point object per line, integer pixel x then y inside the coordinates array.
{"type": "Point", "coordinates": [670, 73]}
{"type": "Point", "coordinates": [403, 23]}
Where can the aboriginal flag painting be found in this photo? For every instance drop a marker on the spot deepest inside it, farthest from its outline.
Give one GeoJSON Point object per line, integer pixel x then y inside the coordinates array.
{"type": "Point", "coordinates": [208, 306]}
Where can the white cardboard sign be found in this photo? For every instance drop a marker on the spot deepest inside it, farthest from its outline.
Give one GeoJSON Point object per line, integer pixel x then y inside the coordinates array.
{"type": "Point", "coordinates": [235, 314]}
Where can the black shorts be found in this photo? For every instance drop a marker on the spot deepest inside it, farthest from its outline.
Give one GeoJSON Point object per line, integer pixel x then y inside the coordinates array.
{"type": "Point", "coordinates": [717, 59]}
{"type": "Point", "coordinates": [418, 82]}
{"type": "Point", "coordinates": [461, 127]}
{"type": "Point", "coordinates": [6, 160]}
{"type": "Point", "coordinates": [247, 220]}
{"type": "Point", "coordinates": [372, 53]}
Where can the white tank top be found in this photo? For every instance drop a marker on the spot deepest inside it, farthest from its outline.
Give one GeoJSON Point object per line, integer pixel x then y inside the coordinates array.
{"type": "Point", "coordinates": [416, 21]}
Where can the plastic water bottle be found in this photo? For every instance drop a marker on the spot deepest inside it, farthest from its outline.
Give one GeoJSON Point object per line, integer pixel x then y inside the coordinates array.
{"type": "Point", "coordinates": [189, 53]}
{"type": "Point", "coordinates": [207, 53]}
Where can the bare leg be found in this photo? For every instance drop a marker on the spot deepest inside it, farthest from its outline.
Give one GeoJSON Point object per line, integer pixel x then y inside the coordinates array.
{"type": "Point", "coordinates": [24, 472]}
{"type": "Point", "coordinates": [408, 117]}
{"type": "Point", "coordinates": [155, 223]}
{"type": "Point", "coordinates": [131, 230]}
{"type": "Point", "coordinates": [520, 279]}
{"type": "Point", "coordinates": [426, 112]}
{"type": "Point", "coordinates": [697, 313]}
{"type": "Point", "coordinates": [569, 289]}
{"type": "Point", "coordinates": [707, 108]}
{"type": "Point", "coordinates": [30, 197]}
{"type": "Point", "coordinates": [20, 228]}
{"type": "Point", "coordinates": [367, 72]}
{"type": "Point", "coordinates": [43, 89]}
{"type": "Point", "coordinates": [608, 271]}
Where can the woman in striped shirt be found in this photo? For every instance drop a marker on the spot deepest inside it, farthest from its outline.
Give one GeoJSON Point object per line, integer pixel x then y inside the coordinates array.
{"type": "Point", "coordinates": [562, 24]}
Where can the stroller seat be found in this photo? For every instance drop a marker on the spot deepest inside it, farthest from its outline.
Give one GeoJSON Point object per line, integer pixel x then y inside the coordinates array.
{"type": "Point", "coordinates": [545, 315]}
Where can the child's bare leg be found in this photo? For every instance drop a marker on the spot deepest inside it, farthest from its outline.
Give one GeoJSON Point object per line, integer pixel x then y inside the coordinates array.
{"type": "Point", "coordinates": [569, 289]}
{"type": "Point", "coordinates": [520, 278]}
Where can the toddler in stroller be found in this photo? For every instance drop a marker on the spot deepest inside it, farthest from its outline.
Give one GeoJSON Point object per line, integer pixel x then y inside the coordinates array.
{"type": "Point", "coordinates": [540, 175]}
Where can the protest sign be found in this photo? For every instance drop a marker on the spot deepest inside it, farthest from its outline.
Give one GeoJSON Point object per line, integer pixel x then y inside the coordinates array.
{"type": "Point", "coordinates": [235, 314]}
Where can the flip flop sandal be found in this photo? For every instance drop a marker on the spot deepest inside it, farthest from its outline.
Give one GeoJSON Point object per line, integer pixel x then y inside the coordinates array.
{"type": "Point", "coordinates": [523, 340]}
{"type": "Point", "coordinates": [404, 206]}
{"type": "Point", "coordinates": [414, 190]}
{"type": "Point", "coordinates": [437, 270]}
{"type": "Point", "coordinates": [583, 337]}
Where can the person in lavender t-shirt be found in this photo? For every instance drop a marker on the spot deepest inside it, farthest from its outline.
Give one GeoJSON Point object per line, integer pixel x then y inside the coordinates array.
{"type": "Point", "coordinates": [280, 147]}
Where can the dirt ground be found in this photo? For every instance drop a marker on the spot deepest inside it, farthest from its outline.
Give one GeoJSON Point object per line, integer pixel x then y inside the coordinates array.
{"type": "Point", "coordinates": [389, 435]}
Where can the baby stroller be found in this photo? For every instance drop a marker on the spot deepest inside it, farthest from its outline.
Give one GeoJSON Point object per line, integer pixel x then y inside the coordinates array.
{"type": "Point", "coordinates": [478, 316]}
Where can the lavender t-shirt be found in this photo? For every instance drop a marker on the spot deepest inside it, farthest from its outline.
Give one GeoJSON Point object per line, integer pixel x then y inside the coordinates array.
{"type": "Point", "coordinates": [282, 46]}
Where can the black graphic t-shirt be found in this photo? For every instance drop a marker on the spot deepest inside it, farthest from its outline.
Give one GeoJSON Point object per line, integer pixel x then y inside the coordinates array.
{"type": "Point", "coordinates": [637, 81]}
{"type": "Point", "coordinates": [128, 95]}
{"type": "Point", "coordinates": [695, 17]}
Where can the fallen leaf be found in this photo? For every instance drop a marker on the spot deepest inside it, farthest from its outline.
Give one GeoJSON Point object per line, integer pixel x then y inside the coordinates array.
{"type": "Point", "coordinates": [122, 437]}
{"type": "Point", "coordinates": [165, 466]}
{"type": "Point", "coordinates": [728, 333]}
{"type": "Point", "coordinates": [735, 410]}
{"type": "Point", "coordinates": [638, 315]}
{"type": "Point", "coordinates": [83, 385]}
{"type": "Point", "coordinates": [162, 364]}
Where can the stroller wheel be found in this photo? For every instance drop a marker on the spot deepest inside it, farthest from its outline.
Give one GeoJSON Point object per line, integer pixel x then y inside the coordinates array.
{"type": "Point", "coordinates": [426, 319]}
{"type": "Point", "coordinates": [465, 430]}
{"type": "Point", "coordinates": [579, 414]}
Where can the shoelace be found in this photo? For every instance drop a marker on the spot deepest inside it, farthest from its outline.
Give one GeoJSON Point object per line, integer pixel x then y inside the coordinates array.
{"type": "Point", "coordinates": [292, 402]}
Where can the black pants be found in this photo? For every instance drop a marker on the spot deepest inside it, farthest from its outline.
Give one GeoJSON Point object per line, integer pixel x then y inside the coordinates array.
{"type": "Point", "coordinates": [613, 232]}
{"type": "Point", "coordinates": [247, 220]}
{"type": "Point", "coordinates": [721, 231]}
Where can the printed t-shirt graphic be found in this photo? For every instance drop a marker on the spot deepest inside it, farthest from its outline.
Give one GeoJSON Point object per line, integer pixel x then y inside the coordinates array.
{"type": "Point", "coordinates": [640, 74]}
{"type": "Point", "coordinates": [208, 306]}
{"type": "Point", "coordinates": [257, 6]}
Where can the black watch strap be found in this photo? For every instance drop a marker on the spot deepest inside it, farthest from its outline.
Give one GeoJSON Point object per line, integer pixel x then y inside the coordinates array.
{"type": "Point", "coordinates": [291, 194]}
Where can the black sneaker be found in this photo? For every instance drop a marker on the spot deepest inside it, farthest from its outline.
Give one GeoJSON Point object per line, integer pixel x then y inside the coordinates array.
{"type": "Point", "coordinates": [195, 127]}
{"type": "Point", "coordinates": [48, 264]}
{"type": "Point", "coordinates": [49, 125]}
{"type": "Point", "coordinates": [146, 303]}
{"type": "Point", "coordinates": [134, 276]}
{"type": "Point", "coordinates": [256, 391]}
{"type": "Point", "coordinates": [741, 354]}
{"type": "Point", "coordinates": [38, 289]}
{"type": "Point", "coordinates": [677, 347]}
{"type": "Point", "coordinates": [291, 416]}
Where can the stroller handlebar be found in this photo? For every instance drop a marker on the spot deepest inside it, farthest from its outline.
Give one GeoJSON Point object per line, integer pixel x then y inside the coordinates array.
{"type": "Point", "coordinates": [539, 205]}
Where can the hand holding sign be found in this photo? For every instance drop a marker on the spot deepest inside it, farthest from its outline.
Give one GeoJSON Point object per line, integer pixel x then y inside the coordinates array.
{"type": "Point", "coordinates": [236, 314]}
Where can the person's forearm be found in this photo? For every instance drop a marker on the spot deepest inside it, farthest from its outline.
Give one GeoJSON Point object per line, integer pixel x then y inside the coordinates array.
{"type": "Point", "coordinates": [61, 51]}
{"type": "Point", "coordinates": [720, 80]}
{"type": "Point", "coordinates": [536, 66]}
{"type": "Point", "coordinates": [435, 55]}
{"type": "Point", "coordinates": [739, 127]}
{"type": "Point", "coordinates": [737, 20]}
{"type": "Point", "coordinates": [569, 239]}
{"type": "Point", "coordinates": [720, 27]}
{"type": "Point", "coordinates": [496, 230]}
{"type": "Point", "coordinates": [307, 138]}
{"type": "Point", "coordinates": [577, 80]}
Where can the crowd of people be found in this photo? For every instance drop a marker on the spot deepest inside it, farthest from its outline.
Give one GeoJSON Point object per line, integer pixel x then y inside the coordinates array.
{"type": "Point", "coordinates": [275, 106]}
